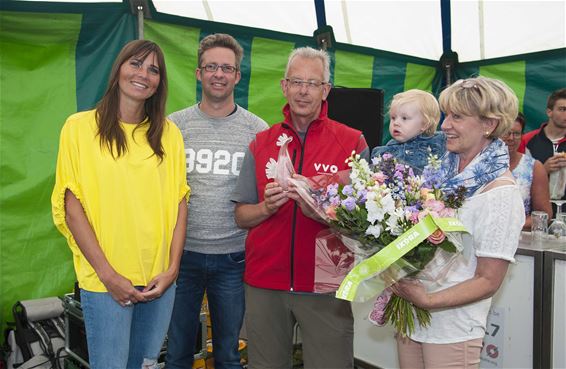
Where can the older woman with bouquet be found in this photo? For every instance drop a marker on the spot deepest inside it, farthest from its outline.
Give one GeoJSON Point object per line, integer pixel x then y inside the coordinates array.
{"type": "Point", "coordinates": [478, 112]}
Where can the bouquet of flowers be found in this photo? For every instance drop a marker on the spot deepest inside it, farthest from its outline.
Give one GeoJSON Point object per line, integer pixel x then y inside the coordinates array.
{"type": "Point", "coordinates": [393, 224]}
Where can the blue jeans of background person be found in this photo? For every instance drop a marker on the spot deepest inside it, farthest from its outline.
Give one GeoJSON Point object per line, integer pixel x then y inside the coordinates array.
{"type": "Point", "coordinates": [121, 337]}
{"type": "Point", "coordinates": [221, 276]}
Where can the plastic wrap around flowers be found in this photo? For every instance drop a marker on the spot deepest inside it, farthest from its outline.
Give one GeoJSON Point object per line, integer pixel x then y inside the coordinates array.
{"type": "Point", "coordinates": [387, 223]}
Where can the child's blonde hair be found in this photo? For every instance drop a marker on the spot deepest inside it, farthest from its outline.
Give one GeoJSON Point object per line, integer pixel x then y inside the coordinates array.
{"type": "Point", "coordinates": [427, 104]}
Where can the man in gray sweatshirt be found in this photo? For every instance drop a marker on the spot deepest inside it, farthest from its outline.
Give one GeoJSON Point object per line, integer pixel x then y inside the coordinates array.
{"type": "Point", "coordinates": [216, 133]}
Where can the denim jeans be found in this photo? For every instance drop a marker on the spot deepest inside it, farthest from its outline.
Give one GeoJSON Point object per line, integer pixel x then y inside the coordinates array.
{"type": "Point", "coordinates": [221, 276]}
{"type": "Point", "coordinates": [121, 337]}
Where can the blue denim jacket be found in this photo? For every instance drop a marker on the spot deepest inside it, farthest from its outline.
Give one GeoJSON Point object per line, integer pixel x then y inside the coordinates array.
{"type": "Point", "coordinates": [414, 152]}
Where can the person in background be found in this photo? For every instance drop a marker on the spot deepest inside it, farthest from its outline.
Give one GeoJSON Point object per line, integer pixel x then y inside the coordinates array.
{"type": "Point", "coordinates": [120, 199]}
{"type": "Point", "coordinates": [414, 116]}
{"type": "Point", "coordinates": [478, 111]}
{"type": "Point", "coordinates": [216, 132]}
{"type": "Point", "coordinates": [280, 248]}
{"type": "Point", "coordinates": [529, 173]}
{"type": "Point", "coordinates": [547, 144]}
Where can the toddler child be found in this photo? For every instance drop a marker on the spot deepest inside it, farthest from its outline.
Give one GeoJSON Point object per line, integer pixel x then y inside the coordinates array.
{"type": "Point", "coordinates": [414, 116]}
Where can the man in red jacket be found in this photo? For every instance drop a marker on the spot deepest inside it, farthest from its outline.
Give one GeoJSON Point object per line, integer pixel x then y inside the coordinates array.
{"type": "Point", "coordinates": [280, 247]}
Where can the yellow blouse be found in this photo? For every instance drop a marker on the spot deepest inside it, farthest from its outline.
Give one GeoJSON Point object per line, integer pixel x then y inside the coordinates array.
{"type": "Point", "coordinates": [131, 202]}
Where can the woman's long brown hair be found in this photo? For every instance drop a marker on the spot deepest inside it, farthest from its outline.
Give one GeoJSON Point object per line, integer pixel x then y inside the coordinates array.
{"type": "Point", "coordinates": [108, 109]}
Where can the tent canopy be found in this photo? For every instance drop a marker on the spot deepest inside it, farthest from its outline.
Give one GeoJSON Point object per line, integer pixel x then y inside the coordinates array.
{"type": "Point", "coordinates": [480, 29]}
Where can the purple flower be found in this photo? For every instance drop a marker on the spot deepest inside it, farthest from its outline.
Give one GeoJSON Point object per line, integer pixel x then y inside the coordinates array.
{"type": "Point", "coordinates": [432, 177]}
{"type": "Point", "coordinates": [332, 189]}
{"type": "Point", "coordinates": [349, 203]}
{"type": "Point", "coordinates": [362, 196]}
{"type": "Point", "coordinates": [335, 200]}
{"type": "Point", "coordinates": [347, 190]}
{"type": "Point", "coordinates": [411, 173]}
{"type": "Point", "coordinates": [386, 156]}
{"type": "Point", "coordinates": [412, 209]}
{"type": "Point", "coordinates": [377, 315]}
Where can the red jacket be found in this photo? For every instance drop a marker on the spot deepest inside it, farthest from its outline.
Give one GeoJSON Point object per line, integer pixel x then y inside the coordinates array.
{"type": "Point", "coordinates": [540, 146]}
{"type": "Point", "coordinates": [280, 251]}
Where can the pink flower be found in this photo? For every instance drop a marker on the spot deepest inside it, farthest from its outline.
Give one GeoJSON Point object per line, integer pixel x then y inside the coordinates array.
{"type": "Point", "coordinates": [377, 314]}
{"type": "Point", "coordinates": [436, 237]}
{"type": "Point", "coordinates": [434, 205]}
{"type": "Point", "coordinates": [331, 212]}
{"type": "Point", "coordinates": [379, 177]}
{"type": "Point", "coordinates": [426, 212]}
{"type": "Point", "coordinates": [414, 217]}
{"type": "Point", "coordinates": [447, 213]}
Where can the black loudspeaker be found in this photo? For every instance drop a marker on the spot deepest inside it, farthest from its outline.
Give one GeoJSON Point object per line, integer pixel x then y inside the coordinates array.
{"type": "Point", "coordinates": [360, 108]}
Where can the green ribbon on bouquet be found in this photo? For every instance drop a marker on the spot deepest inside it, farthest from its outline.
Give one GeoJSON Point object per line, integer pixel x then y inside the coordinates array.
{"type": "Point", "coordinates": [393, 252]}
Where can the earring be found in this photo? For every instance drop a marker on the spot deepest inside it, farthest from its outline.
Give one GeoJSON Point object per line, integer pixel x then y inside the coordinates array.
{"type": "Point", "coordinates": [486, 134]}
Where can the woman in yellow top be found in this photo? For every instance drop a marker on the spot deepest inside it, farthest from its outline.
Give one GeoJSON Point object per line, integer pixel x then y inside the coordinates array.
{"type": "Point", "coordinates": [120, 199]}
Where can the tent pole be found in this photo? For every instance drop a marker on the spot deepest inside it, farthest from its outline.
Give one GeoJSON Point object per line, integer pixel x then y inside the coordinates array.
{"type": "Point", "coordinates": [320, 13]}
{"type": "Point", "coordinates": [324, 35]}
{"type": "Point", "coordinates": [449, 58]}
{"type": "Point", "coordinates": [141, 9]}
{"type": "Point", "coordinates": [140, 22]}
{"type": "Point", "coordinates": [482, 29]}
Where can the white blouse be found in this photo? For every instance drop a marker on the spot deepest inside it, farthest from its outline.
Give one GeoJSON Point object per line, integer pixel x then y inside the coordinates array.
{"type": "Point", "coordinates": [494, 219]}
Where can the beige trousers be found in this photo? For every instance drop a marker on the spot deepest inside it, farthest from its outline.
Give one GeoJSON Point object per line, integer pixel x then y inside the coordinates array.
{"type": "Point", "coordinates": [460, 355]}
{"type": "Point", "coordinates": [326, 328]}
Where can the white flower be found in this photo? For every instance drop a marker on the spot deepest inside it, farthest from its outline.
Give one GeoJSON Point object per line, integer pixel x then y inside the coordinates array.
{"type": "Point", "coordinates": [282, 139]}
{"type": "Point", "coordinates": [378, 206]}
{"type": "Point", "coordinates": [375, 211]}
{"type": "Point", "coordinates": [374, 230]}
{"type": "Point", "coordinates": [270, 168]}
{"type": "Point", "coordinates": [392, 222]}
{"type": "Point", "coordinates": [388, 203]}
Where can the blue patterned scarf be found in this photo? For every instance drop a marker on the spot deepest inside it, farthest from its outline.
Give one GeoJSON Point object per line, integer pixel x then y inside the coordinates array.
{"type": "Point", "coordinates": [489, 164]}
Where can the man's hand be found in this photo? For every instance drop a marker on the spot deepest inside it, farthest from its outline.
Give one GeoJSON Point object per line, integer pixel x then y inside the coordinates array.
{"type": "Point", "coordinates": [306, 208]}
{"type": "Point", "coordinates": [274, 197]}
{"type": "Point", "coordinates": [555, 162]}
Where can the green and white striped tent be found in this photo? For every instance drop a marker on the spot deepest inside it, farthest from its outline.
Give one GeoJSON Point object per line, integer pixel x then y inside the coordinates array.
{"type": "Point", "coordinates": [55, 58]}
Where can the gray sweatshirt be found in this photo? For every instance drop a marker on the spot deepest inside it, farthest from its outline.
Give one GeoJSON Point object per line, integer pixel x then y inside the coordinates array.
{"type": "Point", "coordinates": [215, 149]}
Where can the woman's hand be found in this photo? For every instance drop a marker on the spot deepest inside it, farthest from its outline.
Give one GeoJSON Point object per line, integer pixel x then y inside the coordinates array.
{"type": "Point", "coordinates": [413, 291]}
{"type": "Point", "coordinates": [122, 290]}
{"type": "Point", "coordinates": [158, 285]}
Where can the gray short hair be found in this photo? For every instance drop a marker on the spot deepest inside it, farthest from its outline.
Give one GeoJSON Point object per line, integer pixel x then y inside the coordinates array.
{"type": "Point", "coordinates": [310, 53]}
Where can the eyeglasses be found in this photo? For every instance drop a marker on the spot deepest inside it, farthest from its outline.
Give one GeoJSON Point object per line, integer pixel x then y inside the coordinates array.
{"type": "Point", "coordinates": [514, 135]}
{"type": "Point", "coordinates": [311, 84]}
{"type": "Point", "coordinates": [226, 68]}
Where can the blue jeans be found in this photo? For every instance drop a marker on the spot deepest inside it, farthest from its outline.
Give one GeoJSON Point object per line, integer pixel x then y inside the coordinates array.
{"type": "Point", "coordinates": [221, 276]}
{"type": "Point", "coordinates": [121, 337]}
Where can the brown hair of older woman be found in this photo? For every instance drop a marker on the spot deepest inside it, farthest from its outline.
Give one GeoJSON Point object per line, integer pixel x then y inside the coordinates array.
{"type": "Point", "coordinates": [521, 120]}
{"type": "Point", "coordinates": [108, 108]}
